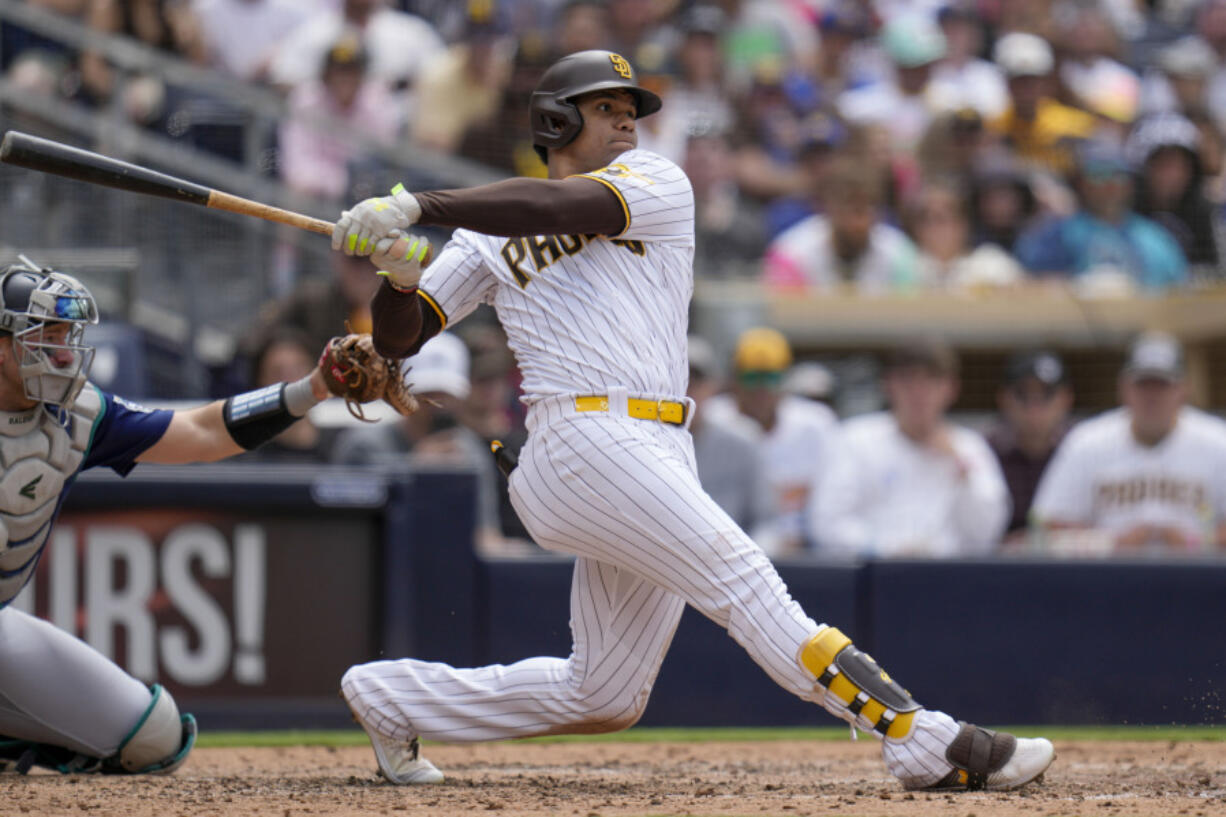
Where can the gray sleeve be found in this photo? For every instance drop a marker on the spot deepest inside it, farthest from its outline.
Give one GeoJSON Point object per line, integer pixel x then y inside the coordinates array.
{"type": "Point", "coordinates": [760, 505]}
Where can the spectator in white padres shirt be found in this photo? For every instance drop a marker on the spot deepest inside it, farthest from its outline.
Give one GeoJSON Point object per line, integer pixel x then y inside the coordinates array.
{"type": "Point", "coordinates": [1150, 475]}
{"type": "Point", "coordinates": [907, 482]}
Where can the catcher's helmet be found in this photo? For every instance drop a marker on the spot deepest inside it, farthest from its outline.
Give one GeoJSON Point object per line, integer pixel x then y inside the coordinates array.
{"type": "Point", "coordinates": [556, 120]}
{"type": "Point", "coordinates": [30, 299]}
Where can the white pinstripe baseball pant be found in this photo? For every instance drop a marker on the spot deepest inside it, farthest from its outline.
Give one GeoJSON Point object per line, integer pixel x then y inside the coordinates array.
{"type": "Point", "coordinates": [622, 495]}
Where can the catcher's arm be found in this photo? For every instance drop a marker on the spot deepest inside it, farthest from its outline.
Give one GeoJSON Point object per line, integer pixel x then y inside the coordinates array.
{"type": "Point", "coordinates": [228, 427]}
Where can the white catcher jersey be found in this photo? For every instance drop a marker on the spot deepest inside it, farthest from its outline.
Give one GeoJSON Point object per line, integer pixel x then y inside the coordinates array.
{"type": "Point", "coordinates": [579, 310]}
{"type": "Point", "coordinates": [1103, 478]}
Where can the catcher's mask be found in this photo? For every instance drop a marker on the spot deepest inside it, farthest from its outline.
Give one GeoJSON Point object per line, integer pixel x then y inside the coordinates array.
{"type": "Point", "coordinates": [34, 304]}
{"type": "Point", "coordinates": [555, 117]}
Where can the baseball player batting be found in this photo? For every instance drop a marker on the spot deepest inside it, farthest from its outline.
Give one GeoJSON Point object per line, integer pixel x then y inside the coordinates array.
{"type": "Point", "coordinates": [591, 273]}
{"type": "Point", "coordinates": [63, 705]}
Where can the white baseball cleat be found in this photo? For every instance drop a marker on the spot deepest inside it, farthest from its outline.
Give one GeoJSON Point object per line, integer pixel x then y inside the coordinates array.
{"type": "Point", "coordinates": [993, 761]}
{"type": "Point", "coordinates": [400, 762]}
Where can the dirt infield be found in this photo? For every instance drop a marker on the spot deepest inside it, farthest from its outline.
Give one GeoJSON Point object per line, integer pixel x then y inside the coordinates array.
{"type": "Point", "coordinates": [606, 779]}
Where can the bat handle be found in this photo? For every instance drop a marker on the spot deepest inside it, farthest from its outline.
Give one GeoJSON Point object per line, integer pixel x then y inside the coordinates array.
{"type": "Point", "coordinates": [236, 204]}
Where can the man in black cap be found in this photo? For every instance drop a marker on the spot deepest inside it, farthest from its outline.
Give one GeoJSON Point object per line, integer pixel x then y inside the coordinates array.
{"type": "Point", "coordinates": [1034, 399]}
{"type": "Point", "coordinates": [1145, 476]}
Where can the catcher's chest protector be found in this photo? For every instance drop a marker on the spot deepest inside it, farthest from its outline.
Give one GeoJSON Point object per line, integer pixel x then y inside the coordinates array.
{"type": "Point", "coordinates": [37, 457]}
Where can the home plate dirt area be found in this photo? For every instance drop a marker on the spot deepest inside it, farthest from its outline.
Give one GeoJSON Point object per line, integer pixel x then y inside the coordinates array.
{"type": "Point", "coordinates": [786, 777]}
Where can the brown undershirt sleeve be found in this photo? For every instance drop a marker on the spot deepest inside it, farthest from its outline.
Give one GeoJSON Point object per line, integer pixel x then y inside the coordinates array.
{"type": "Point", "coordinates": [401, 325]}
{"type": "Point", "coordinates": [520, 207]}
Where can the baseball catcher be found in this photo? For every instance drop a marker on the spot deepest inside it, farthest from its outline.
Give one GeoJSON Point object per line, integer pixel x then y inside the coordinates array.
{"type": "Point", "coordinates": [63, 705]}
{"type": "Point", "coordinates": [591, 273]}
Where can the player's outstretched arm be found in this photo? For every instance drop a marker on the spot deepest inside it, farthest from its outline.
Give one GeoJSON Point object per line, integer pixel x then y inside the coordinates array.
{"type": "Point", "coordinates": [243, 422]}
{"type": "Point", "coordinates": [514, 207]}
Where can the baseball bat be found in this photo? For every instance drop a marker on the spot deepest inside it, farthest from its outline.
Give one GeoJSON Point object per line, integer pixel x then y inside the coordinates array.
{"type": "Point", "coordinates": [45, 155]}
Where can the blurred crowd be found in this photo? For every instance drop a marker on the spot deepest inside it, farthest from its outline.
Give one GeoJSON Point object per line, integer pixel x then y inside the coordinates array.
{"type": "Point", "coordinates": [866, 146]}
{"type": "Point", "coordinates": [879, 145]}
{"type": "Point", "coordinates": [908, 480]}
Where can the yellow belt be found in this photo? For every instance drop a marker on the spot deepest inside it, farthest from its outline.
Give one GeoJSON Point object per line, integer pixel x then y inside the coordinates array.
{"type": "Point", "coordinates": [666, 411]}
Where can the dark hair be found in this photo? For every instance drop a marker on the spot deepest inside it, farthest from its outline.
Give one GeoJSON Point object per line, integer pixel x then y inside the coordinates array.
{"type": "Point", "coordinates": [914, 204]}
{"type": "Point", "coordinates": [854, 177]}
{"type": "Point", "coordinates": [1190, 219]}
{"type": "Point", "coordinates": [275, 337]}
{"type": "Point", "coordinates": [932, 354]}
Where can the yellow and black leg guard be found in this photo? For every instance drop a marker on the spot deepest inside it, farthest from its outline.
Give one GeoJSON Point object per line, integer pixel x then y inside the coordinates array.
{"type": "Point", "coordinates": [857, 690]}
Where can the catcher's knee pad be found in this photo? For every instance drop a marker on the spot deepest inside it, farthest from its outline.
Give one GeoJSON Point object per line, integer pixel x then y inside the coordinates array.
{"type": "Point", "coordinates": [862, 692]}
{"type": "Point", "coordinates": [159, 742]}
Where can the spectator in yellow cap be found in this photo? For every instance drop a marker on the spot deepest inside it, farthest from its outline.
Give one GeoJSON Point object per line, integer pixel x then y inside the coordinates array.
{"type": "Point", "coordinates": [791, 431]}
{"type": "Point", "coordinates": [1037, 127]}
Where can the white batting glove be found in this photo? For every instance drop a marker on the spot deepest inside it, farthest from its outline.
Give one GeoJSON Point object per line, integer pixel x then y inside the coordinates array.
{"type": "Point", "coordinates": [401, 260]}
{"type": "Point", "coordinates": [358, 230]}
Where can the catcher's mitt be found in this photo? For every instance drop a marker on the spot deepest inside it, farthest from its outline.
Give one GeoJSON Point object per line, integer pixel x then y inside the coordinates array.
{"type": "Point", "coordinates": [355, 371]}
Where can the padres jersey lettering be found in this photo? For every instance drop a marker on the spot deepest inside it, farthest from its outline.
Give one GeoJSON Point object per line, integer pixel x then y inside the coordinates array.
{"type": "Point", "coordinates": [1110, 495]}
{"type": "Point", "coordinates": [1102, 477]}
{"type": "Point", "coordinates": [543, 250]}
{"type": "Point", "coordinates": [578, 309]}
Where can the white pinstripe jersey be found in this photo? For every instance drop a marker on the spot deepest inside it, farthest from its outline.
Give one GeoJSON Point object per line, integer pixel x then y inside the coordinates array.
{"type": "Point", "coordinates": [583, 313]}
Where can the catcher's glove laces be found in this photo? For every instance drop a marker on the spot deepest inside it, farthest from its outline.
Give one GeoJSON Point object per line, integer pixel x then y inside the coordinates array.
{"type": "Point", "coordinates": [354, 371]}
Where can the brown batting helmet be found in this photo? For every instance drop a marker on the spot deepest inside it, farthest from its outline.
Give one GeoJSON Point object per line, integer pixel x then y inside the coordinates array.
{"type": "Point", "coordinates": [556, 120]}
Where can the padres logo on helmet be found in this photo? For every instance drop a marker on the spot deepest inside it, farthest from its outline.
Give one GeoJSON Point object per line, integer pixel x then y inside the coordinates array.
{"type": "Point", "coordinates": [556, 120]}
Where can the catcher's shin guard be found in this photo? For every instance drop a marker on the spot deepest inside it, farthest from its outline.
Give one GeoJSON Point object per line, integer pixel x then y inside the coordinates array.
{"type": "Point", "coordinates": [160, 741]}
{"type": "Point", "coordinates": [857, 690]}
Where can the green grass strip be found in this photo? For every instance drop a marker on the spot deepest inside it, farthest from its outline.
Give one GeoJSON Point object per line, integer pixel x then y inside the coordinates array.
{"type": "Point", "coordinates": [355, 737]}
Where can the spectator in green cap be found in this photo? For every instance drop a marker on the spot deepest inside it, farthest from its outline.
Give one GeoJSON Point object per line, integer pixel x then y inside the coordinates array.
{"type": "Point", "coordinates": [914, 44]}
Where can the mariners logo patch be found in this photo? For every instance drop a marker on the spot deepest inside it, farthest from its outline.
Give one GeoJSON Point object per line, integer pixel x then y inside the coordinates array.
{"type": "Point", "coordinates": [27, 490]}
